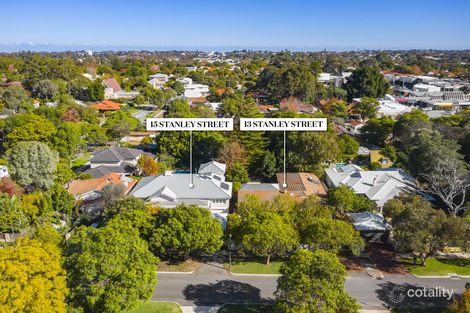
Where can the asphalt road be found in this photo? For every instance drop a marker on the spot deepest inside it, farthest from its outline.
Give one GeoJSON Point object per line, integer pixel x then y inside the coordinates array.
{"type": "Point", "coordinates": [140, 115]}
{"type": "Point", "coordinates": [212, 285]}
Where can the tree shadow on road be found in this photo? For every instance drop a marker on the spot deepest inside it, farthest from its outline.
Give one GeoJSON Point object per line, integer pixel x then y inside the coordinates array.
{"type": "Point", "coordinates": [397, 296]}
{"type": "Point", "coordinates": [224, 291]}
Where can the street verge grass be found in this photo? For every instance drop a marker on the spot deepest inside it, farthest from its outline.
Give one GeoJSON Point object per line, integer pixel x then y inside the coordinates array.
{"type": "Point", "coordinates": [245, 308]}
{"type": "Point", "coordinates": [439, 267]}
{"type": "Point", "coordinates": [158, 307]}
{"type": "Point", "coordinates": [186, 266]}
{"type": "Point", "coordinates": [253, 267]}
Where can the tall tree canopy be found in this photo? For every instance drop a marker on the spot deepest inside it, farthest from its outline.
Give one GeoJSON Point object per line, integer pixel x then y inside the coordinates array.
{"type": "Point", "coordinates": [313, 282]}
{"type": "Point", "coordinates": [366, 82]}
{"type": "Point", "coordinates": [32, 279]}
{"type": "Point", "coordinates": [108, 269]}
{"type": "Point", "coordinates": [32, 164]}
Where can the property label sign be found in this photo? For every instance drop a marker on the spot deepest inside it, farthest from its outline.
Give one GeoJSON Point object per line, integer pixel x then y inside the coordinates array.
{"type": "Point", "coordinates": [187, 124]}
{"type": "Point", "coordinates": [288, 124]}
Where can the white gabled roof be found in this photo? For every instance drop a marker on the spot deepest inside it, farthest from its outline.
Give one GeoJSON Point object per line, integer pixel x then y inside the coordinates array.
{"type": "Point", "coordinates": [212, 167]}
{"type": "Point", "coordinates": [379, 186]}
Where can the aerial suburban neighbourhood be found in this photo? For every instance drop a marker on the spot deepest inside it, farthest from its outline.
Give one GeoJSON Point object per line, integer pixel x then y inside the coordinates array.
{"type": "Point", "coordinates": [288, 168]}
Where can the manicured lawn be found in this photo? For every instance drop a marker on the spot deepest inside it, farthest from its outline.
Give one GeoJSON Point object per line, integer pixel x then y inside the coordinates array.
{"type": "Point", "coordinates": [439, 267]}
{"type": "Point", "coordinates": [253, 267]}
{"type": "Point", "coordinates": [240, 308]}
{"type": "Point", "coordinates": [187, 266]}
{"type": "Point", "coordinates": [158, 307]}
{"type": "Point", "coordinates": [81, 160]}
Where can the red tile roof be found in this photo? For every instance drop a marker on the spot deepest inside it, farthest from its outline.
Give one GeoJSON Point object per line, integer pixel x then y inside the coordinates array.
{"type": "Point", "coordinates": [80, 187]}
{"type": "Point", "coordinates": [112, 83]}
{"type": "Point", "coordinates": [107, 105]}
{"type": "Point", "coordinates": [301, 185]}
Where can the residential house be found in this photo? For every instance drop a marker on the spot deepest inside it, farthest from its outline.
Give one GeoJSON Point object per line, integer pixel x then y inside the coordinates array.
{"type": "Point", "coordinates": [89, 192]}
{"type": "Point", "coordinates": [264, 191]}
{"type": "Point", "coordinates": [379, 186]}
{"type": "Point", "coordinates": [196, 91]}
{"type": "Point", "coordinates": [111, 86]}
{"type": "Point", "coordinates": [207, 189]}
{"type": "Point", "coordinates": [90, 189]}
{"type": "Point", "coordinates": [137, 137]}
{"type": "Point", "coordinates": [112, 90]}
{"type": "Point", "coordinates": [158, 80]}
{"type": "Point", "coordinates": [292, 104]}
{"type": "Point", "coordinates": [378, 158]}
{"type": "Point", "coordinates": [107, 106]}
{"type": "Point", "coordinates": [114, 160]}
{"type": "Point", "coordinates": [372, 226]}
{"type": "Point", "coordinates": [354, 126]}
{"type": "Point", "coordinates": [186, 81]}
{"type": "Point", "coordinates": [301, 185]}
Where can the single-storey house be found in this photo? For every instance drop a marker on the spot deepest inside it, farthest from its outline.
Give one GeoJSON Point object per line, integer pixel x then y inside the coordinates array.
{"type": "Point", "coordinates": [379, 186]}
{"type": "Point", "coordinates": [372, 226]}
{"type": "Point", "coordinates": [301, 185]}
{"type": "Point", "coordinates": [264, 191]}
{"type": "Point", "coordinates": [107, 106]}
{"type": "Point", "coordinates": [90, 189]}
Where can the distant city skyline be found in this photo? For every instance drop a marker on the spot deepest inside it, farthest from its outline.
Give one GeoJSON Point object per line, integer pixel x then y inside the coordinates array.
{"type": "Point", "coordinates": [213, 25]}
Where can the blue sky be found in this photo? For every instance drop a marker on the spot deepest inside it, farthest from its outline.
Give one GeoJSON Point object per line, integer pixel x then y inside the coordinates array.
{"type": "Point", "coordinates": [352, 24]}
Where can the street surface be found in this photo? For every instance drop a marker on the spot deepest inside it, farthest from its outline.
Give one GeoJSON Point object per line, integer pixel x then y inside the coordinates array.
{"type": "Point", "coordinates": [212, 285]}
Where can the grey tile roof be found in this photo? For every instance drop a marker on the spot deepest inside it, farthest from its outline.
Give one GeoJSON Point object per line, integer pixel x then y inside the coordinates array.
{"type": "Point", "coordinates": [116, 154]}
{"type": "Point", "coordinates": [212, 167]}
{"type": "Point", "coordinates": [104, 170]}
{"type": "Point", "coordinates": [176, 187]}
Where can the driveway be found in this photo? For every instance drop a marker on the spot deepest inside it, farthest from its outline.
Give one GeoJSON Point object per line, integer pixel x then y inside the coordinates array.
{"type": "Point", "coordinates": [140, 115]}
{"type": "Point", "coordinates": [213, 285]}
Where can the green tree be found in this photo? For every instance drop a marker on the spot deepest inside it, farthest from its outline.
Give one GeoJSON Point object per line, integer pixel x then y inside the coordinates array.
{"type": "Point", "coordinates": [180, 108]}
{"type": "Point", "coordinates": [366, 82]}
{"type": "Point", "coordinates": [345, 200]}
{"type": "Point", "coordinates": [108, 269]}
{"type": "Point", "coordinates": [95, 90]}
{"type": "Point", "coordinates": [339, 109]}
{"type": "Point", "coordinates": [67, 139]}
{"type": "Point", "coordinates": [307, 151]}
{"type": "Point", "coordinates": [349, 147]}
{"type": "Point", "coordinates": [377, 130]}
{"type": "Point", "coordinates": [32, 278]}
{"type": "Point", "coordinates": [60, 199]}
{"type": "Point", "coordinates": [313, 282]}
{"type": "Point", "coordinates": [332, 235]}
{"type": "Point", "coordinates": [423, 231]}
{"type": "Point", "coordinates": [185, 230]}
{"type": "Point", "coordinates": [260, 230]}
{"type": "Point", "coordinates": [94, 135]}
{"type": "Point", "coordinates": [16, 99]}
{"type": "Point", "coordinates": [45, 89]}
{"type": "Point", "coordinates": [268, 167]}
{"type": "Point", "coordinates": [28, 127]}
{"type": "Point", "coordinates": [238, 175]}
{"type": "Point", "coordinates": [32, 164]}
{"type": "Point", "coordinates": [12, 217]}
{"type": "Point", "coordinates": [121, 205]}
{"type": "Point", "coordinates": [367, 108]}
